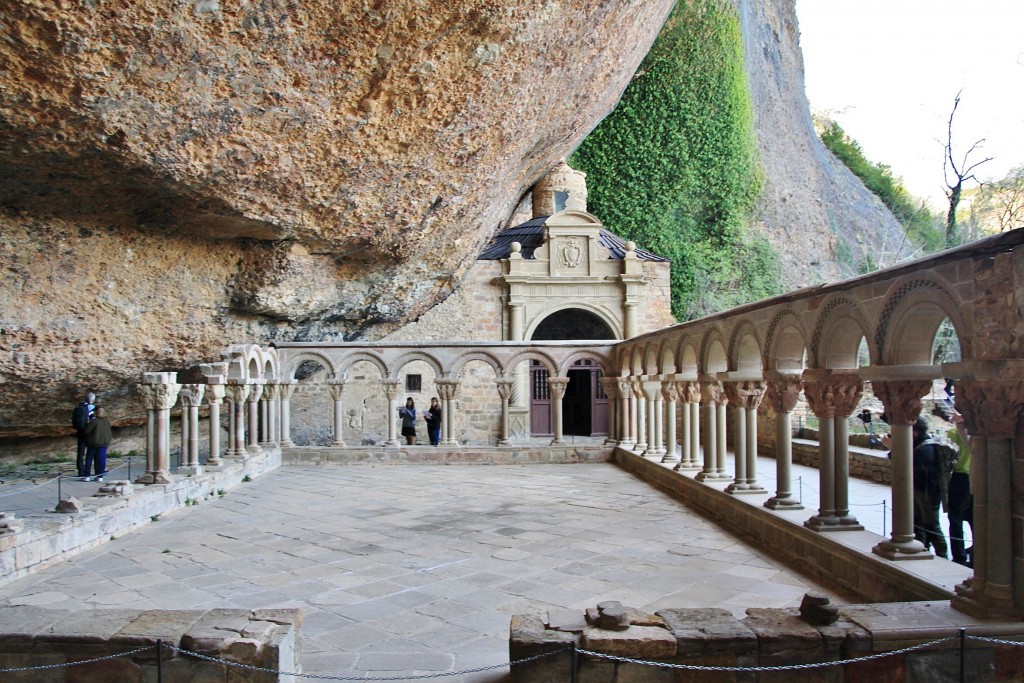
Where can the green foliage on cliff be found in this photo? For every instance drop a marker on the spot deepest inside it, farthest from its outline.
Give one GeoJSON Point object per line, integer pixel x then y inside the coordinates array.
{"type": "Point", "coordinates": [923, 227]}
{"type": "Point", "coordinates": [675, 167]}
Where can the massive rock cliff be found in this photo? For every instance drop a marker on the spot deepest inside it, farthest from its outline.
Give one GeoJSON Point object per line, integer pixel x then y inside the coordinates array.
{"type": "Point", "coordinates": [177, 177]}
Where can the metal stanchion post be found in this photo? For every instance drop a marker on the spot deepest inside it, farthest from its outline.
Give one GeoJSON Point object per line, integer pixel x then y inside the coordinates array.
{"type": "Point", "coordinates": [129, 468]}
{"type": "Point", "coordinates": [574, 671]}
{"type": "Point", "coordinates": [885, 517]}
{"type": "Point", "coordinates": [963, 652]}
{"type": "Point", "coordinates": [159, 661]}
{"type": "Point", "coordinates": [60, 477]}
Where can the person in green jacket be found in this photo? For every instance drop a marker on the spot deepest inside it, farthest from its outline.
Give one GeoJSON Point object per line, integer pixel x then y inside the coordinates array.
{"type": "Point", "coordinates": [97, 437]}
{"type": "Point", "coordinates": [961, 503]}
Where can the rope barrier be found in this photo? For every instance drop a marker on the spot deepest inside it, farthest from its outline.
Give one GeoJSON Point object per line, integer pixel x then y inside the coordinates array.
{"type": "Point", "coordinates": [29, 488]}
{"type": "Point", "coordinates": [44, 667]}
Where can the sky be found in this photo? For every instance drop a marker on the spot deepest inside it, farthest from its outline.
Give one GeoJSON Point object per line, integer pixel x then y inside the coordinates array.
{"type": "Point", "coordinates": [888, 71]}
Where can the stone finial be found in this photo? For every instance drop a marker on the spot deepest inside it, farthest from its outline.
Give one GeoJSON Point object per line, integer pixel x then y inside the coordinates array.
{"type": "Point", "coordinates": [816, 609]}
{"type": "Point", "coordinates": [612, 616]}
{"type": "Point", "coordinates": [71, 506]}
{"type": "Point", "coordinates": [517, 251]}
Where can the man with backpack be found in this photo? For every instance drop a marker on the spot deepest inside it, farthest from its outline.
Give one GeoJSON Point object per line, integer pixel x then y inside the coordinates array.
{"type": "Point", "coordinates": [80, 417]}
{"type": "Point", "coordinates": [931, 480]}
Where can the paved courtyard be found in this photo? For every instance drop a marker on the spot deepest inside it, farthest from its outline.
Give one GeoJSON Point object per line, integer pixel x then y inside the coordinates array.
{"type": "Point", "coordinates": [417, 569]}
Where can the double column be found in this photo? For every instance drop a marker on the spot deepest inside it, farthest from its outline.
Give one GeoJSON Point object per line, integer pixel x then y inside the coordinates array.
{"type": "Point", "coordinates": [782, 392]}
{"type": "Point", "coordinates": [689, 396]}
{"type": "Point", "coordinates": [991, 401]}
{"type": "Point", "coordinates": [833, 395]}
{"type": "Point", "coordinates": [745, 396]}
{"type": "Point", "coordinates": [159, 392]}
{"type": "Point", "coordinates": [714, 407]}
{"type": "Point", "coordinates": [446, 389]}
{"type": "Point", "coordinates": [191, 396]}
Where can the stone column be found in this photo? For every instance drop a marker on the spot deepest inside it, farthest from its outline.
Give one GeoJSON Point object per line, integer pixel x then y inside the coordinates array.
{"type": "Point", "coordinates": [783, 392]}
{"type": "Point", "coordinates": [641, 416]}
{"type": "Point", "coordinates": [689, 394]}
{"type": "Point", "coordinates": [446, 390]}
{"type": "Point", "coordinates": [832, 396]}
{"type": "Point", "coordinates": [656, 411]}
{"type": "Point", "coordinates": [720, 443]}
{"type": "Point", "coordinates": [271, 395]}
{"type": "Point", "coordinates": [505, 385]}
{"type": "Point", "coordinates": [264, 427]}
{"type": "Point", "coordinates": [236, 394]}
{"type": "Point", "coordinates": [670, 391]}
{"type": "Point", "coordinates": [902, 401]}
{"type": "Point", "coordinates": [391, 387]}
{"type": "Point", "coordinates": [159, 392]}
{"type": "Point", "coordinates": [626, 438]}
{"type": "Point", "coordinates": [746, 396]}
{"type": "Point", "coordinates": [713, 396]}
{"type": "Point", "coordinates": [558, 386]}
{"type": "Point", "coordinates": [214, 398]}
{"type": "Point", "coordinates": [255, 391]}
{"type": "Point", "coordinates": [336, 386]}
{"type": "Point", "coordinates": [191, 398]}
{"type": "Point", "coordinates": [992, 408]}
{"type": "Point", "coordinates": [285, 391]}
{"type": "Point", "coordinates": [611, 390]}
{"type": "Point", "coordinates": [739, 440]}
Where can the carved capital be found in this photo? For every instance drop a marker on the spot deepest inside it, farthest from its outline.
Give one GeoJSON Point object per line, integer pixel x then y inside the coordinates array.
{"type": "Point", "coordinates": [689, 391]}
{"type": "Point", "coordinates": [336, 387]}
{"type": "Point", "coordinates": [391, 388]}
{"type": "Point", "coordinates": [750, 393]}
{"type": "Point", "coordinates": [670, 390]}
{"type": "Point", "coordinates": [610, 385]}
{"type": "Point", "coordinates": [255, 391]}
{"type": "Point", "coordinates": [714, 392]}
{"type": "Point", "coordinates": [558, 386]}
{"type": "Point", "coordinates": [901, 398]}
{"type": "Point", "coordinates": [214, 394]}
{"type": "Point", "coordinates": [270, 391]}
{"type": "Point", "coordinates": [783, 392]}
{"type": "Point", "coordinates": [159, 396]}
{"type": "Point", "coordinates": [191, 395]}
{"type": "Point", "coordinates": [637, 387]}
{"type": "Point", "coordinates": [236, 393]}
{"type": "Point", "coordinates": [505, 386]}
{"type": "Point", "coordinates": [990, 408]}
{"type": "Point", "coordinates": [446, 388]}
{"type": "Point", "coordinates": [625, 388]}
{"type": "Point", "coordinates": [833, 393]}
{"type": "Point", "coordinates": [286, 389]}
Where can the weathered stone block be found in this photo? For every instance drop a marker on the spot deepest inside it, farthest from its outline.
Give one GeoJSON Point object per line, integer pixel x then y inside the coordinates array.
{"type": "Point", "coordinates": [780, 631]}
{"type": "Point", "coordinates": [700, 630]}
{"type": "Point", "coordinates": [643, 642]}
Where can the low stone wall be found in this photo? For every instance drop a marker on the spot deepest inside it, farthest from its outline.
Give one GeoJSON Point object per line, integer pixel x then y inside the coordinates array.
{"type": "Point", "coordinates": [39, 541]}
{"type": "Point", "coordinates": [767, 638]}
{"type": "Point", "coordinates": [865, 463]}
{"type": "Point", "coordinates": [32, 637]}
{"type": "Point", "coordinates": [861, 573]}
{"type": "Point", "coordinates": [447, 455]}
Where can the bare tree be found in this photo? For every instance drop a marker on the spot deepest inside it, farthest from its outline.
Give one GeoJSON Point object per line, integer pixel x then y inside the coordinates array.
{"type": "Point", "coordinates": [962, 172]}
{"type": "Point", "coordinates": [1008, 200]}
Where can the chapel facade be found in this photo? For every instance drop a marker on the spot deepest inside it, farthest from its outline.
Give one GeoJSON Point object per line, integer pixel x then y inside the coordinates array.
{"type": "Point", "coordinates": [559, 275]}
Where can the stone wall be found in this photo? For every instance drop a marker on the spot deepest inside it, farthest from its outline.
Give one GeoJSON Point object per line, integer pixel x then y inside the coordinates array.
{"type": "Point", "coordinates": [446, 455]}
{"type": "Point", "coordinates": [702, 637]}
{"type": "Point", "coordinates": [34, 637]}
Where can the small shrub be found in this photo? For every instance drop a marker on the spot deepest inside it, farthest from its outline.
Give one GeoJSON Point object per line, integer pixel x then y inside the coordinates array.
{"type": "Point", "coordinates": [154, 518]}
{"type": "Point", "coordinates": [246, 479]}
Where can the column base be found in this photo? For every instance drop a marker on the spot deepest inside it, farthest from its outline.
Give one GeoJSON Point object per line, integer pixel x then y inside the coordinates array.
{"type": "Point", "coordinates": [157, 477]}
{"type": "Point", "coordinates": [686, 467]}
{"type": "Point", "coordinates": [339, 444]}
{"type": "Point", "coordinates": [908, 550]}
{"type": "Point", "coordinates": [832, 523]}
{"type": "Point", "coordinates": [252, 449]}
{"type": "Point", "coordinates": [639, 448]}
{"type": "Point", "coordinates": [505, 442]}
{"type": "Point", "coordinates": [214, 462]}
{"type": "Point", "coordinates": [711, 476]}
{"type": "Point", "coordinates": [786, 502]}
{"type": "Point", "coordinates": [627, 445]}
{"type": "Point", "coordinates": [189, 470]}
{"type": "Point", "coordinates": [671, 457]}
{"type": "Point", "coordinates": [558, 442]}
{"type": "Point", "coordinates": [746, 488]}
{"type": "Point", "coordinates": [392, 443]}
{"type": "Point", "coordinates": [611, 442]}
{"type": "Point", "coordinates": [287, 443]}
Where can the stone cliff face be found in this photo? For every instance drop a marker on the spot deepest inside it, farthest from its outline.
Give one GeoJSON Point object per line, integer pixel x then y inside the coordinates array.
{"type": "Point", "coordinates": [819, 217]}
{"type": "Point", "coordinates": [178, 177]}
{"type": "Point", "coordinates": [175, 177]}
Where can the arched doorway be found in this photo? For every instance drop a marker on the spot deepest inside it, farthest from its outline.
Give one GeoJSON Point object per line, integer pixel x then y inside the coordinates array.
{"type": "Point", "coordinates": [585, 405]}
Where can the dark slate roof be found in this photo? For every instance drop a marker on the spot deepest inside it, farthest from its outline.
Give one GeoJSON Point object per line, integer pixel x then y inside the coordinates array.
{"type": "Point", "coordinates": [531, 235]}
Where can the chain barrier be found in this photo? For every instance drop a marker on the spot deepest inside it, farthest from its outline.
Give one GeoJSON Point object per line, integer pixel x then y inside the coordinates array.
{"type": "Point", "coordinates": [44, 667]}
{"type": "Point", "coordinates": [781, 667]}
{"type": "Point", "coordinates": [597, 655]}
{"type": "Point", "coordinates": [332, 677]}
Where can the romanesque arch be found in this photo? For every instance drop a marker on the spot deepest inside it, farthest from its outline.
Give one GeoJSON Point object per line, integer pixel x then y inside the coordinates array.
{"type": "Point", "coordinates": [785, 343]}
{"type": "Point", "coordinates": [579, 320]}
{"type": "Point", "coordinates": [838, 330]}
{"type": "Point", "coordinates": [296, 361]}
{"type": "Point", "coordinates": [913, 310]}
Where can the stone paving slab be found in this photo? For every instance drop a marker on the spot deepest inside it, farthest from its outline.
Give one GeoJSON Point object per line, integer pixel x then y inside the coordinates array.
{"type": "Point", "coordinates": [419, 568]}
